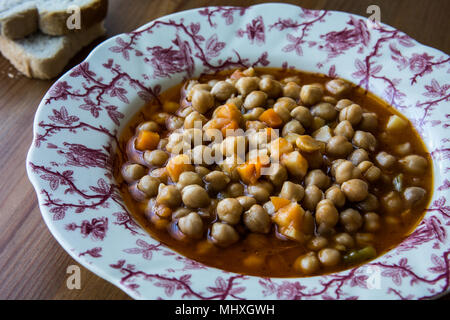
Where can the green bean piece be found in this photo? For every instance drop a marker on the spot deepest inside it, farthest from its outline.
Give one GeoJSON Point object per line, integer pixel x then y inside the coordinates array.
{"type": "Point", "coordinates": [357, 256]}
{"type": "Point", "coordinates": [398, 182]}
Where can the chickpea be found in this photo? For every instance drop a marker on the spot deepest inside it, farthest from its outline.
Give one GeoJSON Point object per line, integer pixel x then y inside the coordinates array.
{"type": "Point", "coordinates": [194, 118]}
{"type": "Point", "coordinates": [323, 133]}
{"type": "Point", "coordinates": [339, 146]}
{"type": "Point", "coordinates": [260, 191]}
{"type": "Point", "coordinates": [202, 171]}
{"type": "Point", "coordinates": [291, 90]}
{"type": "Point", "coordinates": [372, 222]}
{"type": "Point", "coordinates": [358, 156]}
{"type": "Point", "coordinates": [365, 140]}
{"type": "Point", "coordinates": [414, 164]}
{"type": "Point", "coordinates": [317, 243]}
{"type": "Point", "coordinates": [270, 86]}
{"type": "Point", "coordinates": [338, 87]}
{"type": "Point", "coordinates": [191, 225]}
{"type": "Point", "coordinates": [180, 212]}
{"type": "Point", "coordinates": [162, 144]}
{"type": "Point", "coordinates": [385, 160]}
{"type": "Point", "coordinates": [329, 257]}
{"type": "Point", "coordinates": [196, 87]}
{"type": "Point", "coordinates": [302, 115]}
{"type": "Point", "coordinates": [369, 171]}
{"type": "Point", "coordinates": [295, 79]}
{"type": "Point", "coordinates": [352, 113]}
{"type": "Point", "coordinates": [345, 240]}
{"type": "Point", "coordinates": [223, 90]}
{"type": "Point", "coordinates": [317, 177]}
{"type": "Point", "coordinates": [311, 94]}
{"type": "Point", "coordinates": [371, 203]}
{"type": "Point", "coordinates": [392, 202]}
{"type": "Point", "coordinates": [312, 197]}
{"type": "Point", "coordinates": [174, 122]}
{"type": "Point", "coordinates": [168, 196]}
{"type": "Point", "coordinates": [189, 178]}
{"type": "Point", "coordinates": [293, 126]}
{"type": "Point", "coordinates": [132, 172]}
{"type": "Point", "coordinates": [345, 129]}
{"type": "Point", "coordinates": [255, 99]}
{"type": "Point", "coordinates": [195, 196]}
{"type": "Point", "coordinates": [257, 220]}
{"type": "Point", "coordinates": [217, 180]}
{"type": "Point", "coordinates": [325, 111]}
{"type": "Point", "coordinates": [351, 220]}
{"type": "Point", "coordinates": [282, 111]}
{"type": "Point", "coordinates": [246, 201]}
{"type": "Point", "coordinates": [229, 210]}
{"type": "Point", "coordinates": [148, 126]}
{"type": "Point", "coordinates": [156, 157]}
{"type": "Point", "coordinates": [341, 104]}
{"type": "Point", "coordinates": [253, 114]}
{"type": "Point", "coordinates": [355, 190]}
{"type": "Point", "coordinates": [308, 224]}
{"type": "Point", "coordinates": [237, 101]}
{"type": "Point", "coordinates": [149, 185]}
{"type": "Point", "coordinates": [307, 264]}
{"type": "Point", "coordinates": [335, 194]}
{"type": "Point", "coordinates": [346, 171]}
{"type": "Point", "coordinates": [202, 101]}
{"type": "Point", "coordinates": [369, 122]}
{"type": "Point", "coordinates": [223, 234]}
{"type": "Point", "coordinates": [364, 239]}
{"type": "Point", "coordinates": [326, 213]}
{"type": "Point", "coordinates": [292, 191]}
{"type": "Point", "coordinates": [278, 175]}
{"type": "Point", "coordinates": [413, 196]}
{"type": "Point", "coordinates": [315, 159]}
{"type": "Point", "coordinates": [249, 72]}
{"type": "Point", "coordinates": [245, 85]}
{"type": "Point", "coordinates": [286, 102]}
{"type": "Point", "coordinates": [235, 190]}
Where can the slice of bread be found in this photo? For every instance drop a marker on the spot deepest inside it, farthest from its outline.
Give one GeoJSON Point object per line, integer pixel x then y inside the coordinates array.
{"type": "Point", "coordinates": [44, 57]}
{"type": "Point", "coordinates": [19, 18]}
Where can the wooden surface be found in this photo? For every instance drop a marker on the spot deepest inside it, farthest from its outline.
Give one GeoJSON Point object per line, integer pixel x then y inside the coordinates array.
{"type": "Point", "coordinates": [32, 264]}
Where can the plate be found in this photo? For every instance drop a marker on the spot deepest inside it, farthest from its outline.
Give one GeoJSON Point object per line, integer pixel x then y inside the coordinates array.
{"type": "Point", "coordinates": [78, 121]}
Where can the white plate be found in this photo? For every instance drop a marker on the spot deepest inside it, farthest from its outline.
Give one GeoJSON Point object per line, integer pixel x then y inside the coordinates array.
{"type": "Point", "coordinates": [77, 124]}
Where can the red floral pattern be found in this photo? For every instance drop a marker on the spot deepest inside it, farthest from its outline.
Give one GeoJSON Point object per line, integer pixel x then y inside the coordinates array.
{"type": "Point", "coordinates": [72, 159]}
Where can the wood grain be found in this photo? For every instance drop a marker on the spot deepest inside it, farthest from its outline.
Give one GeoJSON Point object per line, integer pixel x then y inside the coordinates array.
{"type": "Point", "coordinates": [32, 264]}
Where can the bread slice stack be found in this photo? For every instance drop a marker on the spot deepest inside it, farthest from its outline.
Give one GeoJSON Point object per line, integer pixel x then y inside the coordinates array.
{"type": "Point", "coordinates": [36, 39]}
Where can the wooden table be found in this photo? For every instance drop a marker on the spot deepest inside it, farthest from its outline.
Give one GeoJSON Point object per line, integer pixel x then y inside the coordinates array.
{"type": "Point", "coordinates": [32, 263]}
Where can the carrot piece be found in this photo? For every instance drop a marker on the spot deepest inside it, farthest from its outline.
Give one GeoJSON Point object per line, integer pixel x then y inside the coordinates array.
{"type": "Point", "coordinates": [147, 140]}
{"type": "Point", "coordinates": [160, 173]}
{"type": "Point", "coordinates": [232, 125]}
{"type": "Point", "coordinates": [228, 111]}
{"type": "Point", "coordinates": [237, 75]}
{"type": "Point", "coordinates": [177, 165]}
{"type": "Point", "coordinates": [249, 173]}
{"type": "Point", "coordinates": [279, 202]}
{"type": "Point", "coordinates": [271, 118]}
{"type": "Point", "coordinates": [289, 220]}
{"type": "Point", "coordinates": [270, 134]}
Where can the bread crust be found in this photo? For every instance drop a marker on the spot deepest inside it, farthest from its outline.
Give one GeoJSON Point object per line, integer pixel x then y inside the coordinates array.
{"type": "Point", "coordinates": [49, 67]}
{"type": "Point", "coordinates": [20, 24]}
{"type": "Point", "coordinates": [23, 23]}
{"type": "Point", "coordinates": [55, 23]}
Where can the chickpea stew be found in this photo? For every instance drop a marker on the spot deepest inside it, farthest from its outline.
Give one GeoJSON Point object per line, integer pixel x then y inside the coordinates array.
{"type": "Point", "coordinates": [308, 175]}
